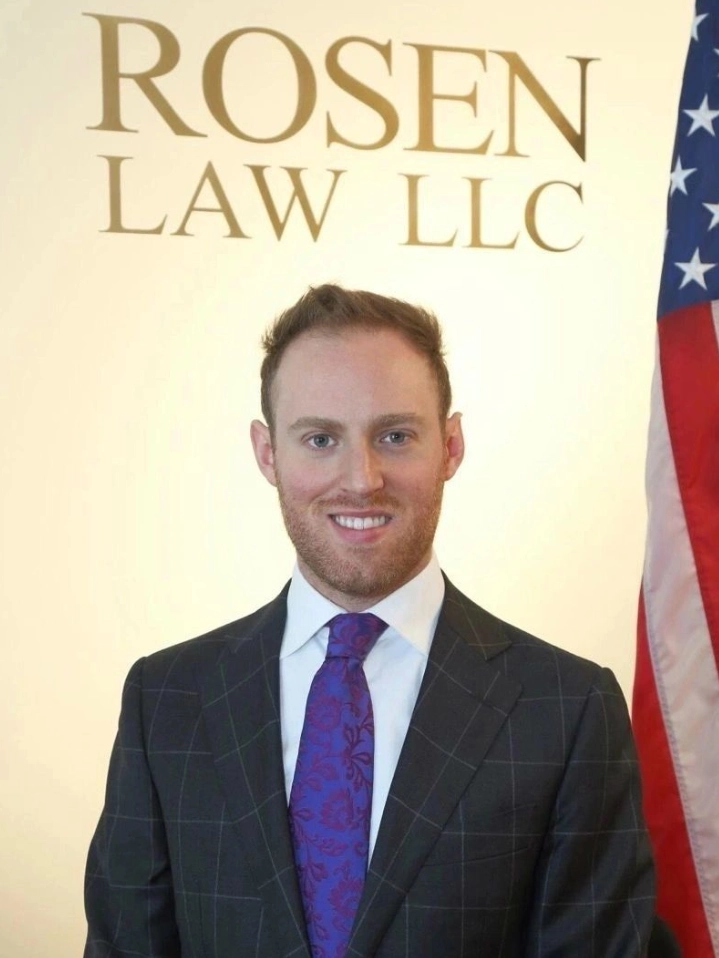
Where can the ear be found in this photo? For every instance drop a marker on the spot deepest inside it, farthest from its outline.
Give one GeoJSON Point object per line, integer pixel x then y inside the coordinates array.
{"type": "Point", "coordinates": [453, 445]}
{"type": "Point", "coordinates": [264, 453]}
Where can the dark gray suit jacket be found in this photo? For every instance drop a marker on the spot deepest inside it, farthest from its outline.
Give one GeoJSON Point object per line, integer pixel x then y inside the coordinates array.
{"type": "Point", "coordinates": [513, 827]}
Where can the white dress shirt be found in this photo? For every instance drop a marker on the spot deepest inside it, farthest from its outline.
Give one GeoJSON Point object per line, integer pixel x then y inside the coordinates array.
{"type": "Point", "coordinates": [394, 668]}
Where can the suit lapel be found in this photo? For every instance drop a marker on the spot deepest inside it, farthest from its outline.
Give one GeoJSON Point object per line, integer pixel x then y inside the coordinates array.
{"type": "Point", "coordinates": [462, 704]}
{"type": "Point", "coordinates": [240, 698]}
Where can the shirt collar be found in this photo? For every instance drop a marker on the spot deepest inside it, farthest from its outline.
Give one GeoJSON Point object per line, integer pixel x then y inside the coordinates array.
{"type": "Point", "coordinates": [411, 611]}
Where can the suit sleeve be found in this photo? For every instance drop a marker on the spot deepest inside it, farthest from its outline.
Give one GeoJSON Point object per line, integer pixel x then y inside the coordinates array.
{"type": "Point", "coordinates": [594, 890]}
{"type": "Point", "coordinates": [128, 882]}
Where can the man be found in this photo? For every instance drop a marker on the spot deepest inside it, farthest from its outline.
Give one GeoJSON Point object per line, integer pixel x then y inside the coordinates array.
{"type": "Point", "coordinates": [370, 765]}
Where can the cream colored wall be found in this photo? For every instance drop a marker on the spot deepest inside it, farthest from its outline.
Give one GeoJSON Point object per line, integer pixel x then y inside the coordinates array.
{"type": "Point", "coordinates": [132, 513]}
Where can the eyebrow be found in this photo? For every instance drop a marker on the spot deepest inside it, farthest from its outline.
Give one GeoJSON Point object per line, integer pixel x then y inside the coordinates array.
{"type": "Point", "coordinates": [387, 421]}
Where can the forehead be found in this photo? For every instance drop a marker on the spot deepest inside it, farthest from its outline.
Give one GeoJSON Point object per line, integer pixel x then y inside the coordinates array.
{"type": "Point", "coordinates": [354, 374]}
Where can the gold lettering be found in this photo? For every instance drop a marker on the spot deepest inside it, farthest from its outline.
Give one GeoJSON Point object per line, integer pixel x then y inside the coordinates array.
{"type": "Point", "coordinates": [530, 215]}
{"type": "Point", "coordinates": [299, 194]}
{"type": "Point", "coordinates": [360, 91]}
{"type": "Point", "coordinates": [112, 74]}
{"type": "Point", "coordinates": [215, 97]}
{"type": "Point", "coordinates": [428, 95]}
{"type": "Point", "coordinates": [413, 215]}
{"type": "Point", "coordinates": [212, 179]}
{"type": "Point", "coordinates": [518, 70]}
{"type": "Point", "coordinates": [114, 163]}
{"type": "Point", "coordinates": [476, 241]}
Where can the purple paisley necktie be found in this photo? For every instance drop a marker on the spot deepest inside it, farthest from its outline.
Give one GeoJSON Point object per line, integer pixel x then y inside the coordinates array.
{"type": "Point", "coordinates": [331, 796]}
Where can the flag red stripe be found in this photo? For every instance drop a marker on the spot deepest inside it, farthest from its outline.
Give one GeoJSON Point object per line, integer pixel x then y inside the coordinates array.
{"type": "Point", "coordinates": [679, 900]}
{"type": "Point", "coordinates": [689, 358]}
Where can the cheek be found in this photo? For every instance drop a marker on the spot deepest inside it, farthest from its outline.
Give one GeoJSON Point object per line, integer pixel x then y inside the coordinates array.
{"type": "Point", "coordinates": [416, 479]}
{"type": "Point", "coordinates": [304, 483]}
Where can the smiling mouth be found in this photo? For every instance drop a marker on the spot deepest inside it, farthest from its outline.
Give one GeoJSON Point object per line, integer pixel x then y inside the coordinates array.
{"type": "Point", "coordinates": [360, 522]}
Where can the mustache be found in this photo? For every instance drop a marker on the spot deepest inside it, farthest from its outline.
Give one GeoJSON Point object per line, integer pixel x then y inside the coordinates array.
{"type": "Point", "coordinates": [358, 502]}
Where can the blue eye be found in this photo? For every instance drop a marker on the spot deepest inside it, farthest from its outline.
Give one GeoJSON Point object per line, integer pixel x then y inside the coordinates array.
{"type": "Point", "coordinates": [396, 437]}
{"type": "Point", "coordinates": [320, 441]}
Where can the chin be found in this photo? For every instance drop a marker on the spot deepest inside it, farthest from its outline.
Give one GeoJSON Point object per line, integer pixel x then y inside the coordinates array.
{"type": "Point", "coordinates": [361, 583]}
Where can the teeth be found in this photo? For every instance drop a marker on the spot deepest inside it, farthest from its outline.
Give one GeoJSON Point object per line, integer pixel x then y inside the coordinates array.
{"type": "Point", "coordinates": [355, 522]}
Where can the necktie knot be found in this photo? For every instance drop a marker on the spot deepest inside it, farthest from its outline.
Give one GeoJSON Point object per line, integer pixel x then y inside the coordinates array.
{"type": "Point", "coordinates": [352, 634]}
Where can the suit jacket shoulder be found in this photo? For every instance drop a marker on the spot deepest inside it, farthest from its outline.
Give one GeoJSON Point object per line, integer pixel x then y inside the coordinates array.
{"type": "Point", "coordinates": [531, 661]}
{"type": "Point", "coordinates": [185, 661]}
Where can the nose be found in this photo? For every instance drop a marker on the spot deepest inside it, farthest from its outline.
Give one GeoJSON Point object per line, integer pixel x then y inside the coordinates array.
{"type": "Point", "coordinates": [362, 470]}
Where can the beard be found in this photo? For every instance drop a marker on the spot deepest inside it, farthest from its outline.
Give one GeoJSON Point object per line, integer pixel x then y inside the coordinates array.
{"type": "Point", "coordinates": [362, 571]}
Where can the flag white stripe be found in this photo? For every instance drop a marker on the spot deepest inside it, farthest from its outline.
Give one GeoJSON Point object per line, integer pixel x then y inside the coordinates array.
{"type": "Point", "coordinates": [683, 660]}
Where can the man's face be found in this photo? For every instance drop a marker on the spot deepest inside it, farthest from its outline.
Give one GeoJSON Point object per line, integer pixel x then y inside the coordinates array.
{"type": "Point", "coordinates": [359, 457]}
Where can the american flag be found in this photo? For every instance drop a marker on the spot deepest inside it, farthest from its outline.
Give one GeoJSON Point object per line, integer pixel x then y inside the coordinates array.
{"type": "Point", "coordinates": [676, 689]}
